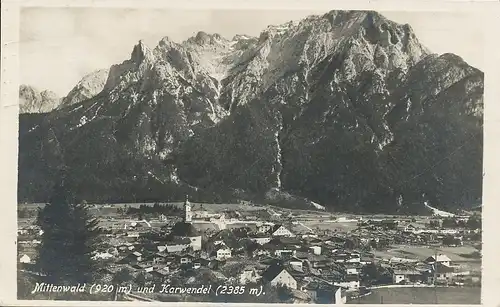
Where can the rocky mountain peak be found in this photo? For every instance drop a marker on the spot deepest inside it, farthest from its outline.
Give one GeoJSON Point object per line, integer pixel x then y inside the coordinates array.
{"type": "Point", "coordinates": [242, 37]}
{"type": "Point", "coordinates": [32, 100]}
{"type": "Point", "coordinates": [141, 53]}
{"type": "Point", "coordinates": [203, 38]}
{"type": "Point", "coordinates": [89, 86]}
{"type": "Point", "coordinates": [340, 109]}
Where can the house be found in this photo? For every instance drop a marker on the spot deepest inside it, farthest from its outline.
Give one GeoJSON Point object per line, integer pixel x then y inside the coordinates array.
{"type": "Point", "coordinates": [297, 272]}
{"type": "Point", "coordinates": [25, 259]}
{"type": "Point", "coordinates": [366, 259]}
{"type": "Point", "coordinates": [200, 262]}
{"type": "Point", "coordinates": [354, 258]}
{"type": "Point", "coordinates": [349, 282]}
{"type": "Point", "coordinates": [137, 256]}
{"type": "Point", "coordinates": [113, 251]}
{"type": "Point", "coordinates": [195, 243]}
{"type": "Point", "coordinates": [309, 234]}
{"type": "Point", "coordinates": [259, 239]}
{"type": "Point", "coordinates": [248, 275]}
{"type": "Point", "coordinates": [185, 259]}
{"type": "Point", "coordinates": [125, 247]}
{"type": "Point", "coordinates": [340, 256]}
{"type": "Point", "coordinates": [261, 251]}
{"type": "Point", "coordinates": [175, 248]}
{"type": "Point", "coordinates": [316, 261]}
{"type": "Point", "coordinates": [162, 218]}
{"type": "Point", "coordinates": [133, 234]}
{"type": "Point", "coordinates": [406, 276]}
{"type": "Point", "coordinates": [196, 265]}
{"type": "Point", "coordinates": [443, 273]}
{"type": "Point", "coordinates": [158, 258]}
{"type": "Point", "coordinates": [336, 241]}
{"type": "Point", "coordinates": [222, 252]}
{"type": "Point", "coordinates": [300, 297]}
{"type": "Point", "coordinates": [316, 249]}
{"type": "Point", "coordinates": [325, 293]}
{"type": "Point", "coordinates": [398, 260]}
{"type": "Point", "coordinates": [284, 252]}
{"type": "Point", "coordinates": [103, 255]}
{"type": "Point", "coordinates": [280, 231]}
{"type": "Point", "coordinates": [264, 227]}
{"type": "Point", "coordinates": [162, 273]}
{"type": "Point", "coordinates": [296, 263]}
{"type": "Point", "coordinates": [276, 275]}
{"type": "Point", "coordinates": [161, 248]}
{"type": "Point", "coordinates": [353, 269]}
{"type": "Point", "coordinates": [441, 259]}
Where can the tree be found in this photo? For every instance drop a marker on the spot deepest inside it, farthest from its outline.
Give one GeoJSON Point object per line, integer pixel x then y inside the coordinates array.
{"type": "Point", "coordinates": [22, 213]}
{"type": "Point", "coordinates": [140, 279]}
{"type": "Point", "coordinates": [434, 224]}
{"type": "Point", "coordinates": [284, 293]}
{"type": "Point", "coordinates": [122, 276]}
{"type": "Point", "coordinates": [70, 238]}
{"type": "Point", "coordinates": [474, 222]}
{"type": "Point", "coordinates": [373, 274]}
{"type": "Point", "coordinates": [450, 223]}
{"type": "Point", "coordinates": [451, 240]}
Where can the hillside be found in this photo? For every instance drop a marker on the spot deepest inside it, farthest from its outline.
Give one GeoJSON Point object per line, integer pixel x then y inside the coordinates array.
{"type": "Point", "coordinates": [347, 110]}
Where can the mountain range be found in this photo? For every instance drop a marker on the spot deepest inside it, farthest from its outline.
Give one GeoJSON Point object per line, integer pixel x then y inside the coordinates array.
{"type": "Point", "coordinates": [32, 100]}
{"type": "Point", "coordinates": [347, 110]}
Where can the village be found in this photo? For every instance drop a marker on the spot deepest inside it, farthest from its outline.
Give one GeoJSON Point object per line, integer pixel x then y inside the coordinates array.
{"type": "Point", "coordinates": [296, 256]}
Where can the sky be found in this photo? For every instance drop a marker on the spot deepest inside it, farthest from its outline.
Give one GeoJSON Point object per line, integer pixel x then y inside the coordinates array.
{"type": "Point", "coordinates": [58, 46]}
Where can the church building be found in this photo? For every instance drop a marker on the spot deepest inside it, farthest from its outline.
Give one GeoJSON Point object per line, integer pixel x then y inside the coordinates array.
{"type": "Point", "coordinates": [188, 214]}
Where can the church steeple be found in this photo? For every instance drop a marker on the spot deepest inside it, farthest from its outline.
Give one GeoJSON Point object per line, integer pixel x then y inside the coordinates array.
{"type": "Point", "coordinates": [188, 215]}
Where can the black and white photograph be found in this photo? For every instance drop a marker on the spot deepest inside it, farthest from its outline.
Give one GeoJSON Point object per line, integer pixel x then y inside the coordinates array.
{"type": "Point", "coordinates": [321, 156]}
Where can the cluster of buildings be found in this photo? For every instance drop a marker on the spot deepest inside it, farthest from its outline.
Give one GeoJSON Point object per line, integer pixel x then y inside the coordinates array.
{"type": "Point", "coordinates": [316, 266]}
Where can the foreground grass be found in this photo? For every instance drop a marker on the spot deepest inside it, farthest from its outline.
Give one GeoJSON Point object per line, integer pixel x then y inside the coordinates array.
{"type": "Point", "coordinates": [451, 295]}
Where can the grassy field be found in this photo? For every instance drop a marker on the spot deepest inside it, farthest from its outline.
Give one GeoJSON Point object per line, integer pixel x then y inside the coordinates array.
{"type": "Point", "coordinates": [331, 225]}
{"type": "Point", "coordinates": [462, 296]}
{"type": "Point", "coordinates": [422, 252]}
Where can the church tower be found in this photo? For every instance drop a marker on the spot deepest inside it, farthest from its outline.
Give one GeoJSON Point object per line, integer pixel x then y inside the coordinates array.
{"type": "Point", "coordinates": [188, 214]}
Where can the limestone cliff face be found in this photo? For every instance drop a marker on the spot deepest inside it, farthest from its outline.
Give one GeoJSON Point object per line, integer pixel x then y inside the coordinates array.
{"type": "Point", "coordinates": [347, 110]}
{"type": "Point", "coordinates": [32, 100]}
{"type": "Point", "coordinates": [90, 85]}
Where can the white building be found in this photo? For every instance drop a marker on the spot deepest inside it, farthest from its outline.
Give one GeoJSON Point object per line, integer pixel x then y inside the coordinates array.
{"type": "Point", "coordinates": [316, 250]}
{"type": "Point", "coordinates": [281, 231]}
{"type": "Point", "coordinates": [350, 282]}
{"type": "Point", "coordinates": [195, 243]}
{"type": "Point", "coordinates": [261, 240]}
{"type": "Point", "coordinates": [284, 278]}
{"type": "Point", "coordinates": [25, 259]}
{"type": "Point", "coordinates": [188, 214]}
{"type": "Point", "coordinates": [104, 255]}
{"type": "Point", "coordinates": [248, 275]}
{"type": "Point", "coordinates": [440, 259]}
{"type": "Point", "coordinates": [297, 264]}
{"type": "Point", "coordinates": [174, 248]}
{"type": "Point", "coordinates": [223, 252]}
{"type": "Point", "coordinates": [137, 255]}
{"type": "Point", "coordinates": [264, 227]}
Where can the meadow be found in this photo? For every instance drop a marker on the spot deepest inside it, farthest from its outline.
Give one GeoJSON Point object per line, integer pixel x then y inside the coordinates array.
{"type": "Point", "coordinates": [414, 295]}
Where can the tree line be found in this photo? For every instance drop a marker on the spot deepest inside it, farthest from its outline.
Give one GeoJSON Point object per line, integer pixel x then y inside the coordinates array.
{"type": "Point", "coordinates": [167, 209]}
{"type": "Point", "coordinates": [473, 222]}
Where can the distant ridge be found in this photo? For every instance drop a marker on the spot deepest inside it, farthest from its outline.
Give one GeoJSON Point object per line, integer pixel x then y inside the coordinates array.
{"type": "Point", "coordinates": [347, 110]}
